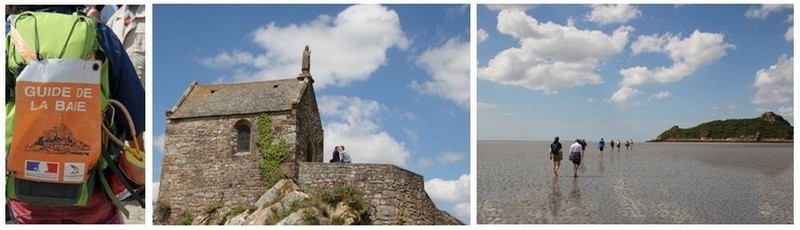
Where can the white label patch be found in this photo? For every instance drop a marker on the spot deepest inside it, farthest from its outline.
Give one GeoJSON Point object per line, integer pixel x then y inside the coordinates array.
{"type": "Point", "coordinates": [42, 170]}
{"type": "Point", "coordinates": [74, 171]}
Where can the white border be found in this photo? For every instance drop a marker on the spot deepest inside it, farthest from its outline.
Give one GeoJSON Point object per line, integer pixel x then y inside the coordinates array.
{"type": "Point", "coordinates": [474, 4]}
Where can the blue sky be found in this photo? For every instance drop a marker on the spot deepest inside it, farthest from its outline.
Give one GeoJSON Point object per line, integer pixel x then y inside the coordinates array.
{"type": "Point", "coordinates": [392, 82]}
{"type": "Point", "coordinates": [628, 71]}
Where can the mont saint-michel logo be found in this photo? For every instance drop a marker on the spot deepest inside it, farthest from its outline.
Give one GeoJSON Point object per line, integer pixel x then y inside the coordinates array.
{"type": "Point", "coordinates": [59, 140]}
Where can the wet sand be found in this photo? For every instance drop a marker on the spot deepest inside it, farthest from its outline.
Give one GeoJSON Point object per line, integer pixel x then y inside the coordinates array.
{"type": "Point", "coordinates": [655, 183]}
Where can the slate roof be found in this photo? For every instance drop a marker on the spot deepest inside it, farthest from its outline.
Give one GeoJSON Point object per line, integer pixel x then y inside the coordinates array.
{"type": "Point", "coordinates": [239, 98]}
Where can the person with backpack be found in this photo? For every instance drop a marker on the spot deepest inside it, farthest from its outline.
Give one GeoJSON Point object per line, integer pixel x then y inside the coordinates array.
{"type": "Point", "coordinates": [556, 155]}
{"type": "Point", "coordinates": [575, 155]}
{"type": "Point", "coordinates": [74, 143]}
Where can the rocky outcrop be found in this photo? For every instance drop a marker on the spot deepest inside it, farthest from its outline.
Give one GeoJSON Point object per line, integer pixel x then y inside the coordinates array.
{"type": "Point", "coordinates": [769, 127]}
{"type": "Point", "coordinates": [283, 204]}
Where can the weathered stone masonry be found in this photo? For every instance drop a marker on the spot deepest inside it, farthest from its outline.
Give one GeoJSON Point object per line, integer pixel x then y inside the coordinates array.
{"type": "Point", "coordinates": [202, 166]}
{"type": "Point", "coordinates": [397, 195]}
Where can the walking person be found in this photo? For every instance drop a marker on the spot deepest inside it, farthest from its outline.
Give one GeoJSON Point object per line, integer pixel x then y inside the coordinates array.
{"type": "Point", "coordinates": [627, 145]}
{"type": "Point", "coordinates": [555, 155]}
{"type": "Point", "coordinates": [601, 145]}
{"type": "Point", "coordinates": [612, 145]}
{"type": "Point", "coordinates": [631, 144]}
{"type": "Point", "coordinates": [575, 155]}
{"type": "Point", "coordinates": [619, 145]}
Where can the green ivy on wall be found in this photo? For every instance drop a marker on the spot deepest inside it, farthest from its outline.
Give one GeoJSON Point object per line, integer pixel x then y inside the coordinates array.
{"type": "Point", "coordinates": [272, 154]}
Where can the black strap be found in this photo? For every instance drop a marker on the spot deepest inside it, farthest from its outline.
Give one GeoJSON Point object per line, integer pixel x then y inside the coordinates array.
{"type": "Point", "coordinates": [9, 215]}
{"type": "Point", "coordinates": [114, 168]}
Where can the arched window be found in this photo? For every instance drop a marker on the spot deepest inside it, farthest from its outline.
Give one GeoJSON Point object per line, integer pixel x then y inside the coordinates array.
{"type": "Point", "coordinates": [242, 136]}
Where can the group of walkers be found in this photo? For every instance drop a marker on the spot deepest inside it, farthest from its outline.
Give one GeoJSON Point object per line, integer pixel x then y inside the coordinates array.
{"type": "Point", "coordinates": [618, 144]}
{"type": "Point", "coordinates": [576, 152]}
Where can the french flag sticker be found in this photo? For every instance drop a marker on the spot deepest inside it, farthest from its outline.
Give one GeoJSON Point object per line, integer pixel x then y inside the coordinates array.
{"type": "Point", "coordinates": [51, 168]}
{"type": "Point", "coordinates": [41, 170]}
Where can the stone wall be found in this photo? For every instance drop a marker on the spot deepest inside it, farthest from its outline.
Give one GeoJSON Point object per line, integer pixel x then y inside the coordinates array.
{"type": "Point", "coordinates": [308, 134]}
{"type": "Point", "coordinates": [311, 135]}
{"type": "Point", "coordinates": [202, 167]}
{"type": "Point", "coordinates": [397, 196]}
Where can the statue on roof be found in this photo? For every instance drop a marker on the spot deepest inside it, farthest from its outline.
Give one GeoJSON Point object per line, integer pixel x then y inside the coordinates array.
{"type": "Point", "coordinates": [306, 65]}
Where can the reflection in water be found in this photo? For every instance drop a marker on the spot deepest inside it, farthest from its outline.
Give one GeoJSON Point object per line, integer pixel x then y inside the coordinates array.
{"type": "Point", "coordinates": [613, 158]}
{"type": "Point", "coordinates": [575, 194]}
{"type": "Point", "coordinates": [554, 198]}
{"type": "Point", "coordinates": [660, 183]}
{"type": "Point", "coordinates": [600, 165]}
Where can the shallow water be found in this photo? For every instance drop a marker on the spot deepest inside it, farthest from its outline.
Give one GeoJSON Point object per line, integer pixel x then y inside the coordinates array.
{"type": "Point", "coordinates": [703, 183]}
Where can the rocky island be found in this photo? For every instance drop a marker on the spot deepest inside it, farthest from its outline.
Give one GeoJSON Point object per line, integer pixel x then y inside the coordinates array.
{"type": "Point", "coordinates": [769, 127]}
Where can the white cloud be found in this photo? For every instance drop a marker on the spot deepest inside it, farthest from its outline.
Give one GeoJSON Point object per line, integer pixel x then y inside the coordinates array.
{"type": "Point", "coordinates": [351, 121]}
{"type": "Point", "coordinates": [624, 94]}
{"type": "Point", "coordinates": [158, 142]}
{"type": "Point", "coordinates": [499, 7]}
{"type": "Point", "coordinates": [765, 10]}
{"type": "Point", "coordinates": [550, 57]}
{"type": "Point", "coordinates": [449, 157]}
{"type": "Point", "coordinates": [154, 191]}
{"type": "Point", "coordinates": [454, 192]}
{"type": "Point", "coordinates": [363, 33]}
{"type": "Point", "coordinates": [612, 14]}
{"type": "Point", "coordinates": [659, 96]}
{"type": "Point", "coordinates": [448, 66]}
{"type": "Point", "coordinates": [229, 59]}
{"type": "Point", "coordinates": [786, 111]}
{"type": "Point", "coordinates": [687, 54]}
{"type": "Point", "coordinates": [775, 84]}
{"type": "Point", "coordinates": [482, 35]}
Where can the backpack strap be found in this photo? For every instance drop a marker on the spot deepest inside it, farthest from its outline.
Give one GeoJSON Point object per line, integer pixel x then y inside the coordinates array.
{"type": "Point", "coordinates": [22, 46]}
{"type": "Point", "coordinates": [107, 188]}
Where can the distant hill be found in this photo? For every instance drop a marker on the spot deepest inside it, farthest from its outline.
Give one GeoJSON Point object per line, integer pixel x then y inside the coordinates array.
{"type": "Point", "coordinates": [769, 127]}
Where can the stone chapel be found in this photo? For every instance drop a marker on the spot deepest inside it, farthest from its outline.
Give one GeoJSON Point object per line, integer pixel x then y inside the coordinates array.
{"type": "Point", "coordinates": [210, 153]}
